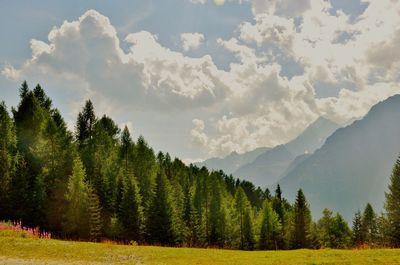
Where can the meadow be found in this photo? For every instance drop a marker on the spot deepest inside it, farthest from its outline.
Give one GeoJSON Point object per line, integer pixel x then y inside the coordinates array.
{"type": "Point", "coordinates": [21, 248]}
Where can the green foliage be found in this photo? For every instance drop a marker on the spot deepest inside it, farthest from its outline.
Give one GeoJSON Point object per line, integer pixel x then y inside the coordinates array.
{"type": "Point", "coordinates": [7, 160]}
{"type": "Point", "coordinates": [161, 222]}
{"type": "Point", "coordinates": [270, 228]}
{"type": "Point", "coordinates": [95, 222]}
{"type": "Point", "coordinates": [358, 237]}
{"type": "Point", "coordinates": [392, 204]}
{"type": "Point", "coordinates": [130, 212]}
{"type": "Point", "coordinates": [333, 231]}
{"type": "Point", "coordinates": [369, 226]}
{"type": "Point", "coordinates": [302, 222]}
{"type": "Point", "coordinates": [244, 220]}
{"type": "Point", "coordinates": [76, 217]}
{"type": "Point", "coordinates": [99, 182]}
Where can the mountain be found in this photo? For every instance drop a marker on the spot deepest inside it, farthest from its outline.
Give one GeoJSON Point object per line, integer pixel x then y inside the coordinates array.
{"type": "Point", "coordinates": [353, 166]}
{"type": "Point", "coordinates": [268, 167]}
{"type": "Point", "coordinates": [233, 161]}
{"type": "Point", "coordinates": [312, 137]}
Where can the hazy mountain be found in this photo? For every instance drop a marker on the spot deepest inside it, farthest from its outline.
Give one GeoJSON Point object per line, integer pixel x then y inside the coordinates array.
{"type": "Point", "coordinates": [353, 166]}
{"type": "Point", "coordinates": [268, 167]}
{"type": "Point", "coordinates": [312, 137]}
{"type": "Point", "coordinates": [232, 162]}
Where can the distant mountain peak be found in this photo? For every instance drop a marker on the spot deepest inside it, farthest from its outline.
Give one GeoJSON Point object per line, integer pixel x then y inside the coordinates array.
{"type": "Point", "coordinates": [354, 164]}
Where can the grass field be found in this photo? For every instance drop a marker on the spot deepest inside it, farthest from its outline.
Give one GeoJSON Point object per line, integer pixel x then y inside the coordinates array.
{"type": "Point", "coordinates": [16, 249]}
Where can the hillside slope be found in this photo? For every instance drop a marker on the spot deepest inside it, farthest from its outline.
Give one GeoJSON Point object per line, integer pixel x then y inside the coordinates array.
{"type": "Point", "coordinates": [268, 167]}
{"type": "Point", "coordinates": [353, 166]}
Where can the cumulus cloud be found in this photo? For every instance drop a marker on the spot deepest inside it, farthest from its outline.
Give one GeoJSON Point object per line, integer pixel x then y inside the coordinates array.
{"type": "Point", "coordinates": [199, 138]}
{"type": "Point", "coordinates": [359, 55]}
{"type": "Point", "coordinates": [148, 75]}
{"type": "Point", "coordinates": [254, 103]}
{"type": "Point", "coordinates": [191, 41]}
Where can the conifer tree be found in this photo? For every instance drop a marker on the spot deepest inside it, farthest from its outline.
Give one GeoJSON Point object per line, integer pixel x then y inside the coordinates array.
{"type": "Point", "coordinates": [29, 187]}
{"type": "Point", "coordinates": [76, 217]}
{"type": "Point", "coordinates": [270, 228]}
{"type": "Point", "coordinates": [85, 124]}
{"type": "Point", "coordinates": [369, 225]}
{"type": "Point", "coordinates": [94, 210]}
{"type": "Point", "coordinates": [145, 171]}
{"type": "Point", "coordinates": [392, 204]}
{"type": "Point", "coordinates": [191, 220]}
{"type": "Point", "coordinates": [130, 212]}
{"type": "Point", "coordinates": [358, 238]}
{"type": "Point", "coordinates": [243, 218]}
{"type": "Point", "coordinates": [44, 100]}
{"type": "Point", "coordinates": [160, 224]}
{"type": "Point", "coordinates": [7, 160]}
{"type": "Point", "coordinates": [278, 207]}
{"type": "Point", "coordinates": [302, 222]}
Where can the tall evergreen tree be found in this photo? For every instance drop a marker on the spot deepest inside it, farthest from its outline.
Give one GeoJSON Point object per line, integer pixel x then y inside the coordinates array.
{"type": "Point", "coordinates": [94, 209]}
{"type": "Point", "coordinates": [191, 220]}
{"type": "Point", "coordinates": [270, 228]}
{"type": "Point", "coordinates": [302, 222]}
{"type": "Point", "coordinates": [160, 224]}
{"type": "Point", "coordinates": [145, 171]}
{"type": "Point", "coordinates": [392, 204]}
{"type": "Point", "coordinates": [76, 217]}
{"type": "Point", "coordinates": [243, 218]}
{"type": "Point", "coordinates": [28, 194]}
{"type": "Point", "coordinates": [369, 225]}
{"type": "Point", "coordinates": [85, 124]}
{"type": "Point", "coordinates": [7, 160]}
{"type": "Point", "coordinates": [358, 238]}
{"type": "Point", "coordinates": [278, 207]}
{"type": "Point", "coordinates": [130, 211]}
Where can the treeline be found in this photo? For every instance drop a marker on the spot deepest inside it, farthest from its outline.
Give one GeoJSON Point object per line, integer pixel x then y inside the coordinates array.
{"type": "Point", "coordinates": [99, 183]}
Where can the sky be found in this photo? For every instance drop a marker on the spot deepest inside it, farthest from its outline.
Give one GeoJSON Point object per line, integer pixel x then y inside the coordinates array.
{"type": "Point", "coordinates": [204, 78]}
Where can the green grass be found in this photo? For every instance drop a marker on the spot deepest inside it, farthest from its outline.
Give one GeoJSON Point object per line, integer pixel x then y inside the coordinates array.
{"type": "Point", "coordinates": [15, 249]}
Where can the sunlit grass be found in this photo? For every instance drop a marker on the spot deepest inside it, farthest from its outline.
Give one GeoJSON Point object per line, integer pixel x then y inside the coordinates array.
{"type": "Point", "coordinates": [16, 249]}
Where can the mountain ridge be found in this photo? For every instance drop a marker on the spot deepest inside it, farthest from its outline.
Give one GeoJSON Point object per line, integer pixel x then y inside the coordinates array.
{"type": "Point", "coordinates": [354, 164]}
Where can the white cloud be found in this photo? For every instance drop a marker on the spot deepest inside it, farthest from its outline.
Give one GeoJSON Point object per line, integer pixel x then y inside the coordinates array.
{"type": "Point", "coordinates": [254, 103]}
{"type": "Point", "coordinates": [285, 8]}
{"type": "Point", "coordinates": [148, 75]}
{"type": "Point", "coordinates": [191, 41]}
{"type": "Point", "coordinates": [199, 138]}
{"type": "Point", "coordinates": [198, 1]}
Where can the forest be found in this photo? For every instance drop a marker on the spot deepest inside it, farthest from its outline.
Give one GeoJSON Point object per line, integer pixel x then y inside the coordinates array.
{"type": "Point", "coordinates": [98, 182]}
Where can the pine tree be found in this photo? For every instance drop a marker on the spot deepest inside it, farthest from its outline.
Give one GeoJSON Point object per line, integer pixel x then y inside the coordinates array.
{"type": "Point", "coordinates": [130, 210]}
{"type": "Point", "coordinates": [278, 207]}
{"type": "Point", "coordinates": [358, 238]}
{"type": "Point", "coordinates": [126, 152]}
{"type": "Point", "coordinates": [44, 100]}
{"type": "Point", "coordinates": [28, 191]}
{"type": "Point", "coordinates": [161, 226]}
{"type": "Point", "coordinates": [392, 204]}
{"type": "Point", "coordinates": [145, 171]}
{"type": "Point", "coordinates": [7, 160]}
{"type": "Point", "coordinates": [191, 220]}
{"type": "Point", "coordinates": [243, 218]}
{"type": "Point", "coordinates": [341, 233]}
{"type": "Point", "coordinates": [85, 124]}
{"type": "Point", "coordinates": [369, 225]}
{"type": "Point", "coordinates": [94, 210]}
{"type": "Point", "coordinates": [302, 222]}
{"type": "Point", "coordinates": [270, 228]}
{"type": "Point", "coordinates": [76, 217]}
{"type": "Point", "coordinates": [384, 236]}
